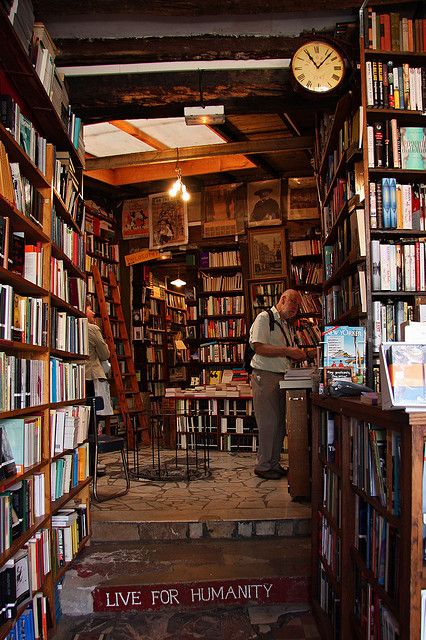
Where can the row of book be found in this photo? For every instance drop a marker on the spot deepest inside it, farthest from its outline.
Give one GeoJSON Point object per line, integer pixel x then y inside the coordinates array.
{"type": "Point", "coordinates": [71, 289]}
{"type": "Point", "coordinates": [21, 382]}
{"type": "Point", "coordinates": [222, 283]}
{"type": "Point", "coordinates": [389, 318]}
{"type": "Point", "coordinates": [394, 31]}
{"type": "Point", "coordinates": [22, 319]}
{"type": "Point", "coordinates": [221, 352]}
{"type": "Point", "coordinates": [329, 438]}
{"type": "Point", "coordinates": [67, 381]}
{"type": "Point", "coordinates": [192, 442]}
{"type": "Point", "coordinates": [372, 613]}
{"type": "Point", "coordinates": [68, 240]}
{"type": "Point", "coordinates": [395, 147]}
{"type": "Point", "coordinates": [309, 303]}
{"type": "Point", "coordinates": [307, 273]}
{"type": "Point", "coordinates": [102, 248]}
{"type": "Point", "coordinates": [219, 259]}
{"type": "Point", "coordinates": [225, 305]}
{"type": "Point", "coordinates": [369, 463]}
{"type": "Point", "coordinates": [349, 295]}
{"type": "Point", "coordinates": [69, 427]}
{"type": "Point", "coordinates": [397, 206]}
{"type": "Point", "coordinates": [305, 247]}
{"type": "Point", "coordinates": [22, 258]}
{"type": "Point", "coordinates": [156, 372]}
{"type": "Point", "coordinates": [67, 186]}
{"type": "Point", "coordinates": [232, 328]}
{"type": "Point", "coordinates": [393, 87]}
{"type": "Point", "coordinates": [21, 440]}
{"type": "Point", "coordinates": [69, 528]}
{"type": "Point", "coordinates": [18, 190]}
{"type": "Point", "coordinates": [240, 425]}
{"type": "Point", "coordinates": [175, 300]}
{"type": "Point", "coordinates": [20, 505]}
{"type": "Point", "coordinates": [307, 332]}
{"type": "Point", "coordinates": [66, 472]}
{"type": "Point", "coordinates": [23, 131]}
{"type": "Point", "coordinates": [195, 424]}
{"type": "Point", "coordinates": [104, 269]}
{"type": "Point", "coordinates": [332, 499]}
{"type": "Point", "coordinates": [378, 544]}
{"type": "Point", "coordinates": [348, 136]}
{"type": "Point", "coordinates": [213, 406]}
{"type": "Point", "coordinates": [398, 266]}
{"type": "Point", "coordinates": [68, 333]}
{"type": "Point", "coordinates": [230, 442]}
{"type": "Point", "coordinates": [330, 546]}
{"type": "Point", "coordinates": [19, 578]}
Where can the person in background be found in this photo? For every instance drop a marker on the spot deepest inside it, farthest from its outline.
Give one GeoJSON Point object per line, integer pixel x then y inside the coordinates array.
{"type": "Point", "coordinates": [274, 352]}
{"type": "Point", "coordinates": [96, 381]}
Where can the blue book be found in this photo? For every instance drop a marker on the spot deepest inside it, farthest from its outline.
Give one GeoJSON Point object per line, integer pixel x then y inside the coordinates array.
{"type": "Point", "coordinates": [14, 428]}
{"type": "Point", "coordinates": [392, 189]}
{"type": "Point", "coordinates": [386, 203]}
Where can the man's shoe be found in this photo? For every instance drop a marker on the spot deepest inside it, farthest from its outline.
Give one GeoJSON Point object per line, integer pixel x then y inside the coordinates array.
{"type": "Point", "coordinates": [271, 474]}
{"type": "Point", "coordinates": [282, 470]}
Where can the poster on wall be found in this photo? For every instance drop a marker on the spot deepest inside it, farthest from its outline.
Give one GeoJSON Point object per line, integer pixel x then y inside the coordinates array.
{"type": "Point", "coordinates": [168, 221]}
{"type": "Point", "coordinates": [302, 199]}
{"type": "Point", "coordinates": [134, 216]}
{"type": "Point", "coordinates": [264, 203]}
{"type": "Point", "coordinates": [224, 210]}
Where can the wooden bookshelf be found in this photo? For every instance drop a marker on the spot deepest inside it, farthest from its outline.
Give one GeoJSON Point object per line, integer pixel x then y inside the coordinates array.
{"type": "Point", "coordinates": [45, 225]}
{"type": "Point", "coordinates": [367, 471]}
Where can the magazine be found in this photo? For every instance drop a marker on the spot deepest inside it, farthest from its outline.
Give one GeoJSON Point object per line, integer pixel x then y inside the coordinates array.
{"type": "Point", "coordinates": [345, 347]}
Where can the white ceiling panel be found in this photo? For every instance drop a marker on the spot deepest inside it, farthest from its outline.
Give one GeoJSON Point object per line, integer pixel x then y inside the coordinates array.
{"type": "Point", "coordinates": [173, 132]}
{"type": "Point", "coordinates": [104, 139]}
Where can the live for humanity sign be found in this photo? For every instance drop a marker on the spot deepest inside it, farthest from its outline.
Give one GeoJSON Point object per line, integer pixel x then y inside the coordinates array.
{"type": "Point", "coordinates": [153, 598]}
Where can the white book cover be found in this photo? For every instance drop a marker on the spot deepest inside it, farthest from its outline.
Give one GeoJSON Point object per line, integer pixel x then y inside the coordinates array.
{"type": "Point", "coordinates": [385, 274]}
{"type": "Point", "coordinates": [419, 92]}
{"type": "Point", "coordinates": [377, 325]}
{"type": "Point", "coordinates": [59, 431]}
{"type": "Point", "coordinates": [369, 82]}
{"type": "Point", "coordinates": [412, 105]}
{"type": "Point", "coordinates": [370, 146]}
{"type": "Point", "coordinates": [422, 283]}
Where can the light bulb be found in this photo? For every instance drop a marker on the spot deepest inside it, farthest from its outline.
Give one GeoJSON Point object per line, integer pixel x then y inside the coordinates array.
{"type": "Point", "coordinates": [186, 196]}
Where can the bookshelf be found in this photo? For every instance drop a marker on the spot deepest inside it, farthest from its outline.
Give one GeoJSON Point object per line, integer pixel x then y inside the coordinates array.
{"type": "Point", "coordinates": [393, 91]}
{"type": "Point", "coordinates": [222, 423]}
{"type": "Point", "coordinates": [43, 344]}
{"type": "Point", "coordinates": [221, 313]}
{"type": "Point", "coordinates": [368, 567]}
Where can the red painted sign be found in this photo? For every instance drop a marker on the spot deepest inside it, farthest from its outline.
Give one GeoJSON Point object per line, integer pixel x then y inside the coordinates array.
{"type": "Point", "coordinates": [201, 594]}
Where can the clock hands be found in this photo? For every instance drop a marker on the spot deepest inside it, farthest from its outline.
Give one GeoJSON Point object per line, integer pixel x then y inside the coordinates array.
{"type": "Point", "coordinates": [321, 63]}
{"type": "Point", "coordinates": [310, 57]}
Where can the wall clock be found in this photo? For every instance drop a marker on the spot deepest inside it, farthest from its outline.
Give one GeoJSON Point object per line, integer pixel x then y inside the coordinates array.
{"type": "Point", "coordinates": [318, 67]}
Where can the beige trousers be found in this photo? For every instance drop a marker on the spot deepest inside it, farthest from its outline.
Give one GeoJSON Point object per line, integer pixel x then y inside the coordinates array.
{"type": "Point", "coordinates": [269, 410]}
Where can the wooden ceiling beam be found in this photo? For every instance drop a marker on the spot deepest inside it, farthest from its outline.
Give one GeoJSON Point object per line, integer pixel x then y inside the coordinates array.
{"type": "Point", "coordinates": [285, 145]}
{"type": "Point", "coordinates": [154, 172]}
{"type": "Point", "coordinates": [138, 134]}
{"type": "Point", "coordinates": [45, 8]}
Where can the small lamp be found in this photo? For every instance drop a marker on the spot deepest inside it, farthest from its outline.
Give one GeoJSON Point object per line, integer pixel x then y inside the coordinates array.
{"type": "Point", "coordinates": [178, 187]}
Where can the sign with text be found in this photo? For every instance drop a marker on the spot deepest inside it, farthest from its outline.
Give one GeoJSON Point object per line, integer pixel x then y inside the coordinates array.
{"type": "Point", "coordinates": [199, 594]}
{"type": "Point", "coordinates": [141, 256]}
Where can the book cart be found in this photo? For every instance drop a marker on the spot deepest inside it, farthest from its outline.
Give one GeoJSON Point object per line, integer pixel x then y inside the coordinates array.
{"type": "Point", "coordinates": [43, 345]}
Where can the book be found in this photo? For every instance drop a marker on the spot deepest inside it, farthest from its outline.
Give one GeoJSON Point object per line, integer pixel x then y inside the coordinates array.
{"type": "Point", "coordinates": [413, 148]}
{"type": "Point", "coordinates": [345, 347]}
{"type": "Point", "coordinates": [406, 364]}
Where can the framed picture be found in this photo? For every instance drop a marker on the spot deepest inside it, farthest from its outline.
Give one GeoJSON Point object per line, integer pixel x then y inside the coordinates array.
{"type": "Point", "coordinates": [134, 218]}
{"type": "Point", "coordinates": [168, 221]}
{"type": "Point", "coordinates": [223, 210]}
{"type": "Point", "coordinates": [267, 250]}
{"type": "Point", "coordinates": [302, 199]}
{"type": "Point", "coordinates": [331, 374]}
{"type": "Point", "coordinates": [264, 203]}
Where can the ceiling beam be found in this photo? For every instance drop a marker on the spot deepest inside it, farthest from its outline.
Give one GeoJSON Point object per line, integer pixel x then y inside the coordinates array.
{"type": "Point", "coordinates": [165, 171]}
{"type": "Point", "coordinates": [138, 134]}
{"type": "Point", "coordinates": [286, 145]}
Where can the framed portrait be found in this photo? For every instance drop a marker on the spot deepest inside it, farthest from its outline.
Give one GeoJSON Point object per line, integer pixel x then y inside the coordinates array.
{"type": "Point", "coordinates": [264, 203]}
{"type": "Point", "coordinates": [331, 374]}
{"type": "Point", "coordinates": [223, 210]}
{"type": "Point", "coordinates": [134, 218]}
{"type": "Point", "coordinates": [168, 221]}
{"type": "Point", "coordinates": [267, 250]}
{"type": "Point", "coordinates": [302, 199]}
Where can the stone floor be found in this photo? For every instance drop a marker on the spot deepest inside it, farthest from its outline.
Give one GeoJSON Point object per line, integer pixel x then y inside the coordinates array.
{"type": "Point", "coordinates": [284, 622]}
{"type": "Point", "coordinates": [229, 491]}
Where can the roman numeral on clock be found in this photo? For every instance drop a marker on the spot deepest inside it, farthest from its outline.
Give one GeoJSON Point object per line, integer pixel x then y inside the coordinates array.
{"type": "Point", "coordinates": [301, 77]}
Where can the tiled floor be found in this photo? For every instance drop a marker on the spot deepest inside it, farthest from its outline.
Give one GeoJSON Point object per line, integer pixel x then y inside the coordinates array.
{"type": "Point", "coordinates": [230, 491]}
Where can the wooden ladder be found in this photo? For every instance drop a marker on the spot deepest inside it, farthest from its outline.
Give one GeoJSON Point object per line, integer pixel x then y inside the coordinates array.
{"type": "Point", "coordinates": [122, 364]}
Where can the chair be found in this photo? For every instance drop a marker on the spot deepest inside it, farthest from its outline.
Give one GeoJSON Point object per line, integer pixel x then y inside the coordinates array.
{"type": "Point", "coordinates": [105, 443]}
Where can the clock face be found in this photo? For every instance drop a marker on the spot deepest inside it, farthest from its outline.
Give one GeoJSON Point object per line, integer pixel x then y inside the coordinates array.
{"type": "Point", "coordinates": [318, 67]}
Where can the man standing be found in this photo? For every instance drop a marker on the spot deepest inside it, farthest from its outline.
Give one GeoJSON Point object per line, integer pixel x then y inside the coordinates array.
{"type": "Point", "coordinates": [274, 351]}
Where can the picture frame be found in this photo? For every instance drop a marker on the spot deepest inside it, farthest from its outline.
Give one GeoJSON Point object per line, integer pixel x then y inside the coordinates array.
{"type": "Point", "coordinates": [168, 221]}
{"type": "Point", "coordinates": [331, 374]}
{"type": "Point", "coordinates": [302, 199]}
{"type": "Point", "coordinates": [224, 210]}
{"type": "Point", "coordinates": [135, 218]}
{"type": "Point", "coordinates": [264, 205]}
{"type": "Point", "coordinates": [267, 252]}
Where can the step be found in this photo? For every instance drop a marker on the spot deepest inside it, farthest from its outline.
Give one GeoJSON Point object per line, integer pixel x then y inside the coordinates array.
{"type": "Point", "coordinates": [134, 525]}
{"type": "Point", "coordinates": [159, 576]}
